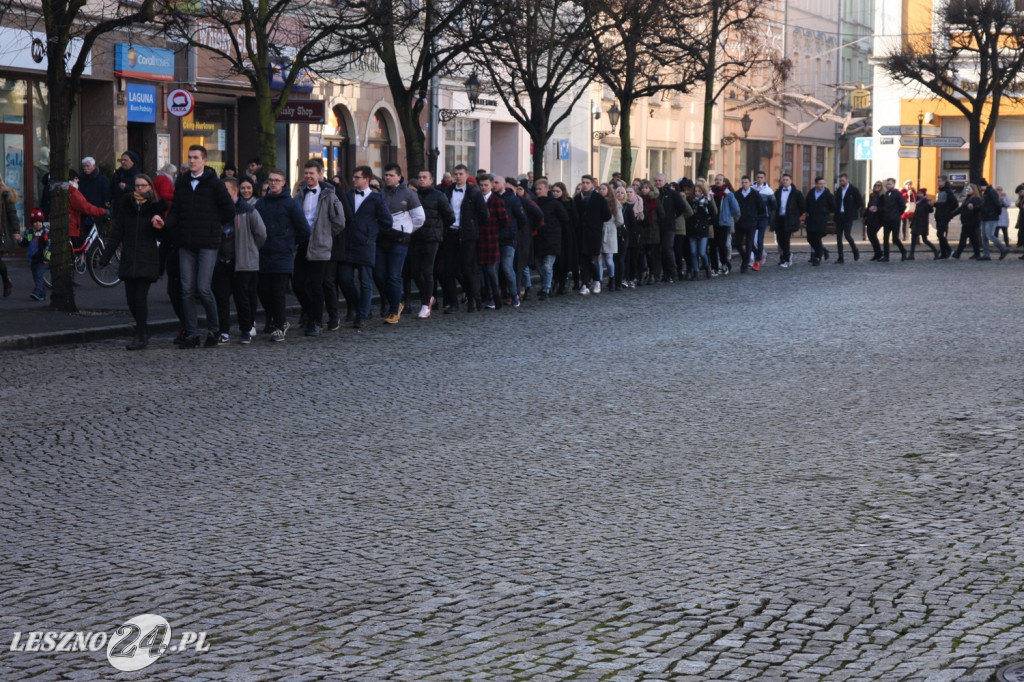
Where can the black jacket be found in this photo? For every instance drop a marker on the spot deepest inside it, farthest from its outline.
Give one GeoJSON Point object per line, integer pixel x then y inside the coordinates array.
{"type": "Point", "coordinates": [439, 216]}
{"type": "Point", "coordinates": [818, 211]}
{"type": "Point", "coordinates": [125, 176]}
{"type": "Point", "coordinates": [592, 212]}
{"type": "Point", "coordinates": [752, 209]}
{"type": "Point", "coordinates": [672, 203]}
{"type": "Point", "coordinates": [133, 231]}
{"type": "Point", "coordinates": [516, 218]}
{"type": "Point", "coordinates": [794, 207]}
{"type": "Point", "coordinates": [196, 215]}
{"type": "Point", "coordinates": [852, 204]}
{"type": "Point", "coordinates": [556, 221]}
{"type": "Point", "coordinates": [472, 212]}
{"type": "Point", "coordinates": [892, 206]}
{"type": "Point", "coordinates": [990, 206]}
{"type": "Point", "coordinates": [946, 205]}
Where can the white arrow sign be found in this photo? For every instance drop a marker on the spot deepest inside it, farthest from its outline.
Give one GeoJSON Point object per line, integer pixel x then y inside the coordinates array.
{"type": "Point", "coordinates": [911, 141]}
{"type": "Point", "coordinates": [913, 153]}
{"type": "Point", "coordinates": [909, 130]}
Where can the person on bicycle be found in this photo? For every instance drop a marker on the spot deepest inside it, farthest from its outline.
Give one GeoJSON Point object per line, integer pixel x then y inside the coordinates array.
{"type": "Point", "coordinates": [79, 207]}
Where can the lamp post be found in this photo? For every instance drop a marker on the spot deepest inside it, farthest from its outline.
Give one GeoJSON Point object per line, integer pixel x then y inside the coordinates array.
{"type": "Point", "coordinates": [920, 135]}
{"type": "Point", "coordinates": [745, 123]}
{"type": "Point", "coordinates": [472, 86]}
{"type": "Point", "coordinates": [613, 117]}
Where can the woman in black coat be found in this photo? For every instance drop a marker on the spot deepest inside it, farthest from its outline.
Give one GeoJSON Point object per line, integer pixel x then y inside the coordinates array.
{"type": "Point", "coordinates": [134, 232]}
{"type": "Point", "coordinates": [970, 222]}
{"type": "Point", "coordinates": [568, 261]}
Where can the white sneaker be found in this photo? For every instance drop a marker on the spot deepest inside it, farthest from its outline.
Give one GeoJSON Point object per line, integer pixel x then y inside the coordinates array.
{"type": "Point", "coordinates": [424, 312]}
{"type": "Point", "coordinates": [284, 330]}
{"type": "Point", "coordinates": [252, 332]}
{"type": "Point", "coordinates": [597, 287]}
{"type": "Point", "coordinates": [223, 340]}
{"type": "Point", "coordinates": [277, 335]}
{"type": "Point", "coordinates": [784, 264]}
{"type": "Point", "coordinates": [584, 291]}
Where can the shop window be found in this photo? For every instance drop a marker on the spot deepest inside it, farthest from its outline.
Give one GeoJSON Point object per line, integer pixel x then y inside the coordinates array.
{"type": "Point", "coordinates": [208, 125]}
{"type": "Point", "coordinates": [460, 144]}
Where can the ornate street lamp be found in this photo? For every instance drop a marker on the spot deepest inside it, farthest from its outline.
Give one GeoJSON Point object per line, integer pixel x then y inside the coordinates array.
{"type": "Point", "coordinates": [614, 114]}
{"type": "Point", "coordinates": [472, 86]}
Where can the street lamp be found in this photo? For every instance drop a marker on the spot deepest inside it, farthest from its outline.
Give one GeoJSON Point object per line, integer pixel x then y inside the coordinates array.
{"type": "Point", "coordinates": [614, 114]}
{"type": "Point", "coordinates": [472, 86]}
{"type": "Point", "coordinates": [920, 133]}
{"type": "Point", "coordinates": [745, 123]}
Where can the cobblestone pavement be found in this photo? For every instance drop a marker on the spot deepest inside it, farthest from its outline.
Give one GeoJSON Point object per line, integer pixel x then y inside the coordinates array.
{"type": "Point", "coordinates": [791, 475]}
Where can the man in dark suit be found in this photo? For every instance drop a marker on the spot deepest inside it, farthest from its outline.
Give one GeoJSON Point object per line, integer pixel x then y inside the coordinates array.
{"type": "Point", "coordinates": [592, 208]}
{"type": "Point", "coordinates": [818, 208]}
{"type": "Point", "coordinates": [458, 248]}
{"type": "Point", "coordinates": [370, 215]}
{"type": "Point", "coordinates": [849, 208]}
{"type": "Point", "coordinates": [752, 213]}
{"type": "Point", "coordinates": [892, 207]}
{"type": "Point", "coordinates": [790, 201]}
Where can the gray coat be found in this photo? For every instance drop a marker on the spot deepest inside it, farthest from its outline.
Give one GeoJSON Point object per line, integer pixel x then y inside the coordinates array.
{"type": "Point", "coordinates": [328, 223]}
{"type": "Point", "coordinates": [250, 234]}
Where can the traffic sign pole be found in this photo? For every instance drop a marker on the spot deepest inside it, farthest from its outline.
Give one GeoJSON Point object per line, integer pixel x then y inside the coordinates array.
{"type": "Point", "coordinates": [920, 136]}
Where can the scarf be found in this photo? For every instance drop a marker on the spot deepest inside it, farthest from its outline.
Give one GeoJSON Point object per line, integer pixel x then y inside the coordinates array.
{"type": "Point", "coordinates": [142, 199]}
{"type": "Point", "coordinates": [638, 206]}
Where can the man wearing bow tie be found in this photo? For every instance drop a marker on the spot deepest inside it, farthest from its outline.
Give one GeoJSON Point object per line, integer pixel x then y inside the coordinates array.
{"type": "Point", "coordinates": [458, 249]}
{"type": "Point", "coordinates": [322, 210]}
{"type": "Point", "coordinates": [370, 215]}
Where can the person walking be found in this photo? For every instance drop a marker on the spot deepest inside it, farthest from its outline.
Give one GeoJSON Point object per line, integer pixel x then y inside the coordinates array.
{"type": "Point", "coordinates": [609, 239]}
{"type": "Point", "coordinates": [818, 208]}
{"type": "Point", "coordinates": [201, 206]}
{"type": "Point", "coordinates": [370, 215]}
{"type": "Point", "coordinates": [790, 202]}
{"type": "Point", "coordinates": [286, 226]}
{"type": "Point", "coordinates": [970, 222]}
{"type": "Point", "coordinates": [892, 206]}
{"type": "Point", "coordinates": [136, 228]}
{"type": "Point", "coordinates": [698, 227]}
{"type": "Point", "coordinates": [945, 206]}
{"type": "Point", "coordinates": [488, 251]}
{"type": "Point", "coordinates": [873, 218]}
{"type": "Point", "coordinates": [458, 248]}
{"type": "Point", "coordinates": [633, 218]}
{"type": "Point", "coordinates": [123, 180]}
{"type": "Point", "coordinates": [9, 226]}
{"type": "Point", "coordinates": [393, 242]}
{"type": "Point", "coordinates": [249, 234]}
{"type": "Point", "coordinates": [672, 206]}
{"type": "Point", "coordinates": [728, 215]}
{"type": "Point", "coordinates": [508, 239]}
{"type": "Point", "coordinates": [549, 234]}
{"type": "Point", "coordinates": [919, 225]}
{"type": "Point", "coordinates": [592, 210]}
{"type": "Point", "coordinates": [849, 207]}
{"type": "Point", "coordinates": [438, 216]}
{"type": "Point", "coordinates": [326, 219]}
{"type": "Point", "coordinates": [753, 212]}
{"type": "Point", "coordinates": [1004, 216]}
{"type": "Point", "coordinates": [990, 209]}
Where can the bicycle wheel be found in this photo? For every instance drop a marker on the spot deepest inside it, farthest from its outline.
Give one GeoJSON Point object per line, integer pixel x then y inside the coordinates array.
{"type": "Point", "coordinates": [104, 276]}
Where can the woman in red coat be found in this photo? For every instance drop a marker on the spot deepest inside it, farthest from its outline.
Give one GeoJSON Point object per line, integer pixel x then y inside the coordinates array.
{"type": "Point", "coordinates": [79, 206]}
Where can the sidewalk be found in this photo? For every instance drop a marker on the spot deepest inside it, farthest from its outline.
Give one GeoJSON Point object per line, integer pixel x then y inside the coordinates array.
{"type": "Point", "coordinates": [103, 313]}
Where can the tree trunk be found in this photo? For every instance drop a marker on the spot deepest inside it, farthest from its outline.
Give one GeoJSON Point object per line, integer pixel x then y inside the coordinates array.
{"type": "Point", "coordinates": [977, 151]}
{"type": "Point", "coordinates": [709, 109]}
{"type": "Point", "coordinates": [266, 133]}
{"type": "Point", "coordinates": [415, 139]}
{"type": "Point", "coordinates": [626, 144]}
{"type": "Point", "coordinates": [538, 158]}
{"type": "Point", "coordinates": [62, 103]}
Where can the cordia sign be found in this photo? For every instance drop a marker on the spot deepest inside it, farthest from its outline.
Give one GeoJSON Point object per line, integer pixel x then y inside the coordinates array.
{"type": "Point", "coordinates": [141, 100]}
{"type": "Point", "coordinates": [144, 63]}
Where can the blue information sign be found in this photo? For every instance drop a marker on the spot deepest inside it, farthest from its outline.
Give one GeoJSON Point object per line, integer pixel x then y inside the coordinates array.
{"type": "Point", "coordinates": [141, 100]}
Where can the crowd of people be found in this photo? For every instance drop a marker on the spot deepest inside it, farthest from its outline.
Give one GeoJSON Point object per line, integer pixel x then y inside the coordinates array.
{"type": "Point", "coordinates": [469, 243]}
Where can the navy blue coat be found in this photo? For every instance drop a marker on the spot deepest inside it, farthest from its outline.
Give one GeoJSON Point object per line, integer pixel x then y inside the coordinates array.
{"type": "Point", "coordinates": [361, 234]}
{"type": "Point", "coordinates": [286, 225]}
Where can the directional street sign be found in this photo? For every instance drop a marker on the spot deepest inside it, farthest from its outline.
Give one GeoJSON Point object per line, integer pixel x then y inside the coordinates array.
{"type": "Point", "coordinates": [908, 130]}
{"type": "Point", "coordinates": [911, 141]}
{"type": "Point", "coordinates": [908, 153]}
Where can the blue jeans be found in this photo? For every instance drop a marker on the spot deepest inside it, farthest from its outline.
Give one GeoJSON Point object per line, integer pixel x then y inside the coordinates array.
{"type": "Point", "coordinates": [524, 278]}
{"type": "Point", "coordinates": [388, 274]}
{"type": "Point", "coordinates": [605, 261]}
{"type": "Point", "coordinates": [489, 291]}
{"type": "Point", "coordinates": [358, 301]}
{"type": "Point", "coordinates": [38, 272]}
{"type": "Point", "coordinates": [196, 279]}
{"type": "Point", "coordinates": [989, 230]}
{"type": "Point", "coordinates": [698, 252]}
{"type": "Point", "coordinates": [508, 254]}
{"type": "Point", "coordinates": [547, 264]}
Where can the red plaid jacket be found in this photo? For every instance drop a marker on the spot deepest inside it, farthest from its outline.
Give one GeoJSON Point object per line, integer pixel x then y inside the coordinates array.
{"type": "Point", "coordinates": [488, 251]}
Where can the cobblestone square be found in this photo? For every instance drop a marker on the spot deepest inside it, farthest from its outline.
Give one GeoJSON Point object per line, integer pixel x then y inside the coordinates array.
{"type": "Point", "coordinates": [790, 475]}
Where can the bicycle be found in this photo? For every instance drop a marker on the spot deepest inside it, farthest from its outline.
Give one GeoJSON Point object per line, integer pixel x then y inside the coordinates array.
{"type": "Point", "coordinates": [86, 258]}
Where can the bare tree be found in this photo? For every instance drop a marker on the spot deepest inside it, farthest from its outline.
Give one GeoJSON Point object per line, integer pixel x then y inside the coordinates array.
{"type": "Point", "coordinates": [417, 40]}
{"type": "Point", "coordinates": [640, 48]}
{"type": "Point", "coordinates": [72, 28]}
{"type": "Point", "coordinates": [974, 61]}
{"type": "Point", "coordinates": [536, 58]}
{"type": "Point", "coordinates": [258, 36]}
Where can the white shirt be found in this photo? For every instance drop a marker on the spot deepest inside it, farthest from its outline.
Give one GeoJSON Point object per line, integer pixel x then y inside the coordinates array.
{"type": "Point", "coordinates": [195, 180]}
{"type": "Point", "coordinates": [783, 199]}
{"type": "Point", "coordinates": [457, 197]}
{"type": "Point", "coordinates": [842, 195]}
{"type": "Point", "coordinates": [309, 201]}
{"type": "Point", "coordinates": [357, 198]}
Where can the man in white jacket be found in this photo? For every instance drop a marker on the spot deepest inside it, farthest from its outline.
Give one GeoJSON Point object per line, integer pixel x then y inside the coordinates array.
{"type": "Point", "coordinates": [407, 216]}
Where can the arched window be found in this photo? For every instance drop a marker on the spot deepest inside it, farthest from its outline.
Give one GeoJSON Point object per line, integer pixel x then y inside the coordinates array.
{"type": "Point", "coordinates": [379, 146]}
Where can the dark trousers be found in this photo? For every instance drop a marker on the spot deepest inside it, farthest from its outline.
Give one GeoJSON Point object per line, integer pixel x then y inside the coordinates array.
{"type": "Point", "coordinates": [137, 293]}
{"type": "Point", "coordinates": [633, 263]}
{"type": "Point", "coordinates": [223, 280]}
{"type": "Point", "coordinates": [308, 284]}
{"type": "Point", "coordinates": [744, 245]}
{"type": "Point", "coordinates": [271, 290]}
{"type": "Point", "coordinates": [653, 252]}
{"type": "Point", "coordinates": [941, 231]}
{"type": "Point", "coordinates": [358, 300]}
{"type": "Point", "coordinates": [173, 272]}
{"type": "Point", "coordinates": [723, 247]}
{"type": "Point", "coordinates": [872, 231]}
{"type": "Point", "coordinates": [331, 291]}
{"type": "Point", "coordinates": [421, 268]}
{"type": "Point", "coordinates": [817, 248]}
{"type": "Point", "coordinates": [243, 286]}
{"type": "Point", "coordinates": [782, 238]}
{"type": "Point", "coordinates": [844, 228]}
{"type": "Point", "coordinates": [891, 228]}
{"type": "Point", "coordinates": [459, 258]}
{"type": "Point", "coordinates": [681, 250]}
{"type": "Point", "coordinates": [668, 256]}
{"type": "Point", "coordinates": [924, 240]}
{"type": "Point", "coordinates": [971, 233]}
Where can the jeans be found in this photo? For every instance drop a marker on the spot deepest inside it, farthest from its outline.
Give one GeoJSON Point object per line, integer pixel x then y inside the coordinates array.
{"type": "Point", "coordinates": [422, 256]}
{"type": "Point", "coordinates": [989, 230]}
{"type": "Point", "coordinates": [358, 301]}
{"type": "Point", "coordinates": [605, 261]}
{"type": "Point", "coordinates": [38, 273]}
{"type": "Point", "coordinates": [196, 279]}
{"type": "Point", "coordinates": [844, 228]}
{"type": "Point", "coordinates": [508, 256]}
{"type": "Point", "coordinates": [388, 274]}
{"type": "Point", "coordinates": [489, 289]}
{"type": "Point", "coordinates": [547, 263]}
{"type": "Point", "coordinates": [698, 252]}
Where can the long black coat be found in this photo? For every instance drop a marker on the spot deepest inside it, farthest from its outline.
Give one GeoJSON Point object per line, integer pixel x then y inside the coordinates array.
{"type": "Point", "coordinates": [593, 213]}
{"type": "Point", "coordinates": [794, 207]}
{"type": "Point", "coordinates": [197, 215]}
{"type": "Point", "coordinates": [818, 211]}
{"type": "Point", "coordinates": [133, 231]}
{"type": "Point", "coordinates": [556, 223]}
